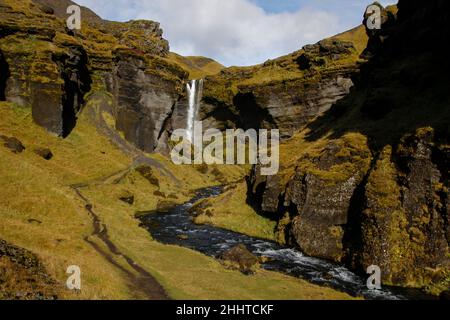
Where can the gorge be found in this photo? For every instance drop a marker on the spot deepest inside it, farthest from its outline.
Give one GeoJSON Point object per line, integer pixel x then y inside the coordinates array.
{"type": "Point", "coordinates": [363, 174]}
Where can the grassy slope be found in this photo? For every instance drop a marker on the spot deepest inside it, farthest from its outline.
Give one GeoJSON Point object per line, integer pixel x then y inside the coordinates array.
{"type": "Point", "coordinates": [38, 189]}
{"type": "Point", "coordinates": [197, 67]}
{"type": "Point", "coordinates": [230, 211]}
{"type": "Point", "coordinates": [230, 81]}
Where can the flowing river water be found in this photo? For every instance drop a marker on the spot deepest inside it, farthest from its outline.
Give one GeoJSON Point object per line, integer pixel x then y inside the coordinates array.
{"type": "Point", "coordinates": [177, 228]}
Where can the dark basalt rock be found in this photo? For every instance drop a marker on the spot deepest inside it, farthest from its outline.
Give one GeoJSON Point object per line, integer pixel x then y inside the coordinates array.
{"type": "Point", "coordinates": [403, 229]}
{"type": "Point", "coordinates": [287, 105]}
{"type": "Point", "coordinates": [385, 201]}
{"type": "Point", "coordinates": [4, 75]}
{"type": "Point", "coordinates": [13, 144]}
{"type": "Point", "coordinates": [143, 101]}
{"type": "Point", "coordinates": [148, 174]}
{"type": "Point", "coordinates": [304, 62]}
{"type": "Point", "coordinates": [319, 203]}
{"type": "Point", "coordinates": [378, 36]}
{"type": "Point", "coordinates": [44, 153]}
{"type": "Point", "coordinates": [77, 82]}
{"type": "Point", "coordinates": [54, 79]}
{"type": "Point", "coordinates": [301, 88]}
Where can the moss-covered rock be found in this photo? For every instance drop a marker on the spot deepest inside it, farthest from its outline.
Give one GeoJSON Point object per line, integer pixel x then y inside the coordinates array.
{"type": "Point", "coordinates": [367, 183]}
{"type": "Point", "coordinates": [52, 70]}
{"type": "Point", "coordinates": [287, 92]}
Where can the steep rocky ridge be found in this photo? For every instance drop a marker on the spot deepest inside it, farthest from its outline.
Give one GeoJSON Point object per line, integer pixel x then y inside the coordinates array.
{"type": "Point", "coordinates": [367, 183]}
{"type": "Point", "coordinates": [287, 92]}
{"type": "Point", "coordinates": [55, 71]}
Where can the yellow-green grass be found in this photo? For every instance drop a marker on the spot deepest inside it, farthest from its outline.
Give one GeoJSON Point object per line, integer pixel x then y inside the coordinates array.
{"type": "Point", "coordinates": [358, 36]}
{"type": "Point", "coordinates": [231, 211]}
{"type": "Point", "coordinates": [38, 190]}
{"type": "Point", "coordinates": [284, 70]}
{"type": "Point", "coordinates": [197, 67]}
{"type": "Point", "coordinates": [187, 274]}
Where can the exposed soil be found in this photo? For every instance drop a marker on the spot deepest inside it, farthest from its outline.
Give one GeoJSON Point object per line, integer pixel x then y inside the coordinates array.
{"type": "Point", "coordinates": [139, 279]}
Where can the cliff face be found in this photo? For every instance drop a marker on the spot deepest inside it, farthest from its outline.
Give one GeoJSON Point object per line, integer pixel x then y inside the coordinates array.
{"type": "Point", "coordinates": [367, 183]}
{"type": "Point", "coordinates": [55, 71]}
{"type": "Point", "coordinates": [146, 92]}
{"type": "Point", "coordinates": [287, 92]}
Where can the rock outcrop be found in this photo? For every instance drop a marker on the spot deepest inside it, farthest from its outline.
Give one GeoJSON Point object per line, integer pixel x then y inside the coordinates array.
{"type": "Point", "coordinates": [367, 183]}
{"type": "Point", "coordinates": [285, 93]}
{"type": "Point", "coordinates": [56, 71]}
{"type": "Point", "coordinates": [44, 153]}
{"type": "Point", "coordinates": [241, 258]}
{"type": "Point", "coordinates": [4, 75]}
{"type": "Point", "coordinates": [144, 99]}
{"type": "Point", "coordinates": [13, 144]}
{"type": "Point", "coordinates": [22, 276]}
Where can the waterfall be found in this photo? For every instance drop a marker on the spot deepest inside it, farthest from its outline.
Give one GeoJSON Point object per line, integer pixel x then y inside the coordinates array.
{"type": "Point", "coordinates": [194, 90]}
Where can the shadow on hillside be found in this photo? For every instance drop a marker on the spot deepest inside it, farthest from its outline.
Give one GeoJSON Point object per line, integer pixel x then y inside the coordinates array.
{"type": "Point", "coordinates": [77, 82]}
{"type": "Point", "coordinates": [392, 99]}
{"type": "Point", "coordinates": [4, 75]}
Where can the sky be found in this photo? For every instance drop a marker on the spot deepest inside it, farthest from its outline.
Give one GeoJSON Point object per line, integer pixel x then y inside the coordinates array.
{"type": "Point", "coordinates": [239, 32]}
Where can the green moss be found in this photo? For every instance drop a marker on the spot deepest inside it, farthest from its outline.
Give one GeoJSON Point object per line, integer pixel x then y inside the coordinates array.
{"type": "Point", "coordinates": [353, 157]}
{"type": "Point", "coordinates": [231, 211]}
{"type": "Point", "coordinates": [226, 84]}
{"type": "Point", "coordinates": [196, 67]}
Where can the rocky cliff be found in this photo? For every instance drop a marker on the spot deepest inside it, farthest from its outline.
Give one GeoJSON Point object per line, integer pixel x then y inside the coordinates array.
{"type": "Point", "coordinates": [367, 183]}
{"type": "Point", "coordinates": [287, 92]}
{"type": "Point", "coordinates": [56, 71]}
{"type": "Point", "coordinates": [127, 70]}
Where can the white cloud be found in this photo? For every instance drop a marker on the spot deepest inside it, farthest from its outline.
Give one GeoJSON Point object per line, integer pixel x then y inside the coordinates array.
{"type": "Point", "coordinates": [234, 32]}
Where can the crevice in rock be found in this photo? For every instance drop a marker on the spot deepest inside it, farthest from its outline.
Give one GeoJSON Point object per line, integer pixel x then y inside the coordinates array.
{"type": "Point", "coordinates": [77, 82]}
{"type": "Point", "coordinates": [4, 75]}
{"type": "Point", "coordinates": [165, 125]}
{"type": "Point", "coordinates": [353, 238]}
{"type": "Point", "coordinates": [221, 112]}
{"type": "Point", "coordinates": [251, 115]}
{"type": "Point", "coordinates": [255, 194]}
{"type": "Point", "coordinates": [441, 159]}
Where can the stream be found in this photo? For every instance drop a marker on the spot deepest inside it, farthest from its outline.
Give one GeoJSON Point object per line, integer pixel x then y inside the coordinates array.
{"type": "Point", "coordinates": [177, 228]}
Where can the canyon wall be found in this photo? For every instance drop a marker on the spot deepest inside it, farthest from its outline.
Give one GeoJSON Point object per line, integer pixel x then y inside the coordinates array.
{"type": "Point", "coordinates": [367, 183]}
{"type": "Point", "coordinates": [285, 93]}
{"type": "Point", "coordinates": [127, 68]}
{"type": "Point", "coordinates": [55, 71]}
{"type": "Point", "coordinates": [364, 168]}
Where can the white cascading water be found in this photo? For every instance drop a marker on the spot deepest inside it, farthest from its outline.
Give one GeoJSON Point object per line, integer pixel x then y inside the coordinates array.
{"type": "Point", "coordinates": [194, 90]}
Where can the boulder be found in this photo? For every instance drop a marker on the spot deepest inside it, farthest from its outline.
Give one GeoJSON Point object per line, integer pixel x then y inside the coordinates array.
{"type": "Point", "coordinates": [241, 257]}
{"type": "Point", "coordinates": [13, 144]}
{"type": "Point", "coordinates": [164, 206]}
{"type": "Point", "coordinates": [147, 173]}
{"type": "Point", "coordinates": [44, 153]}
